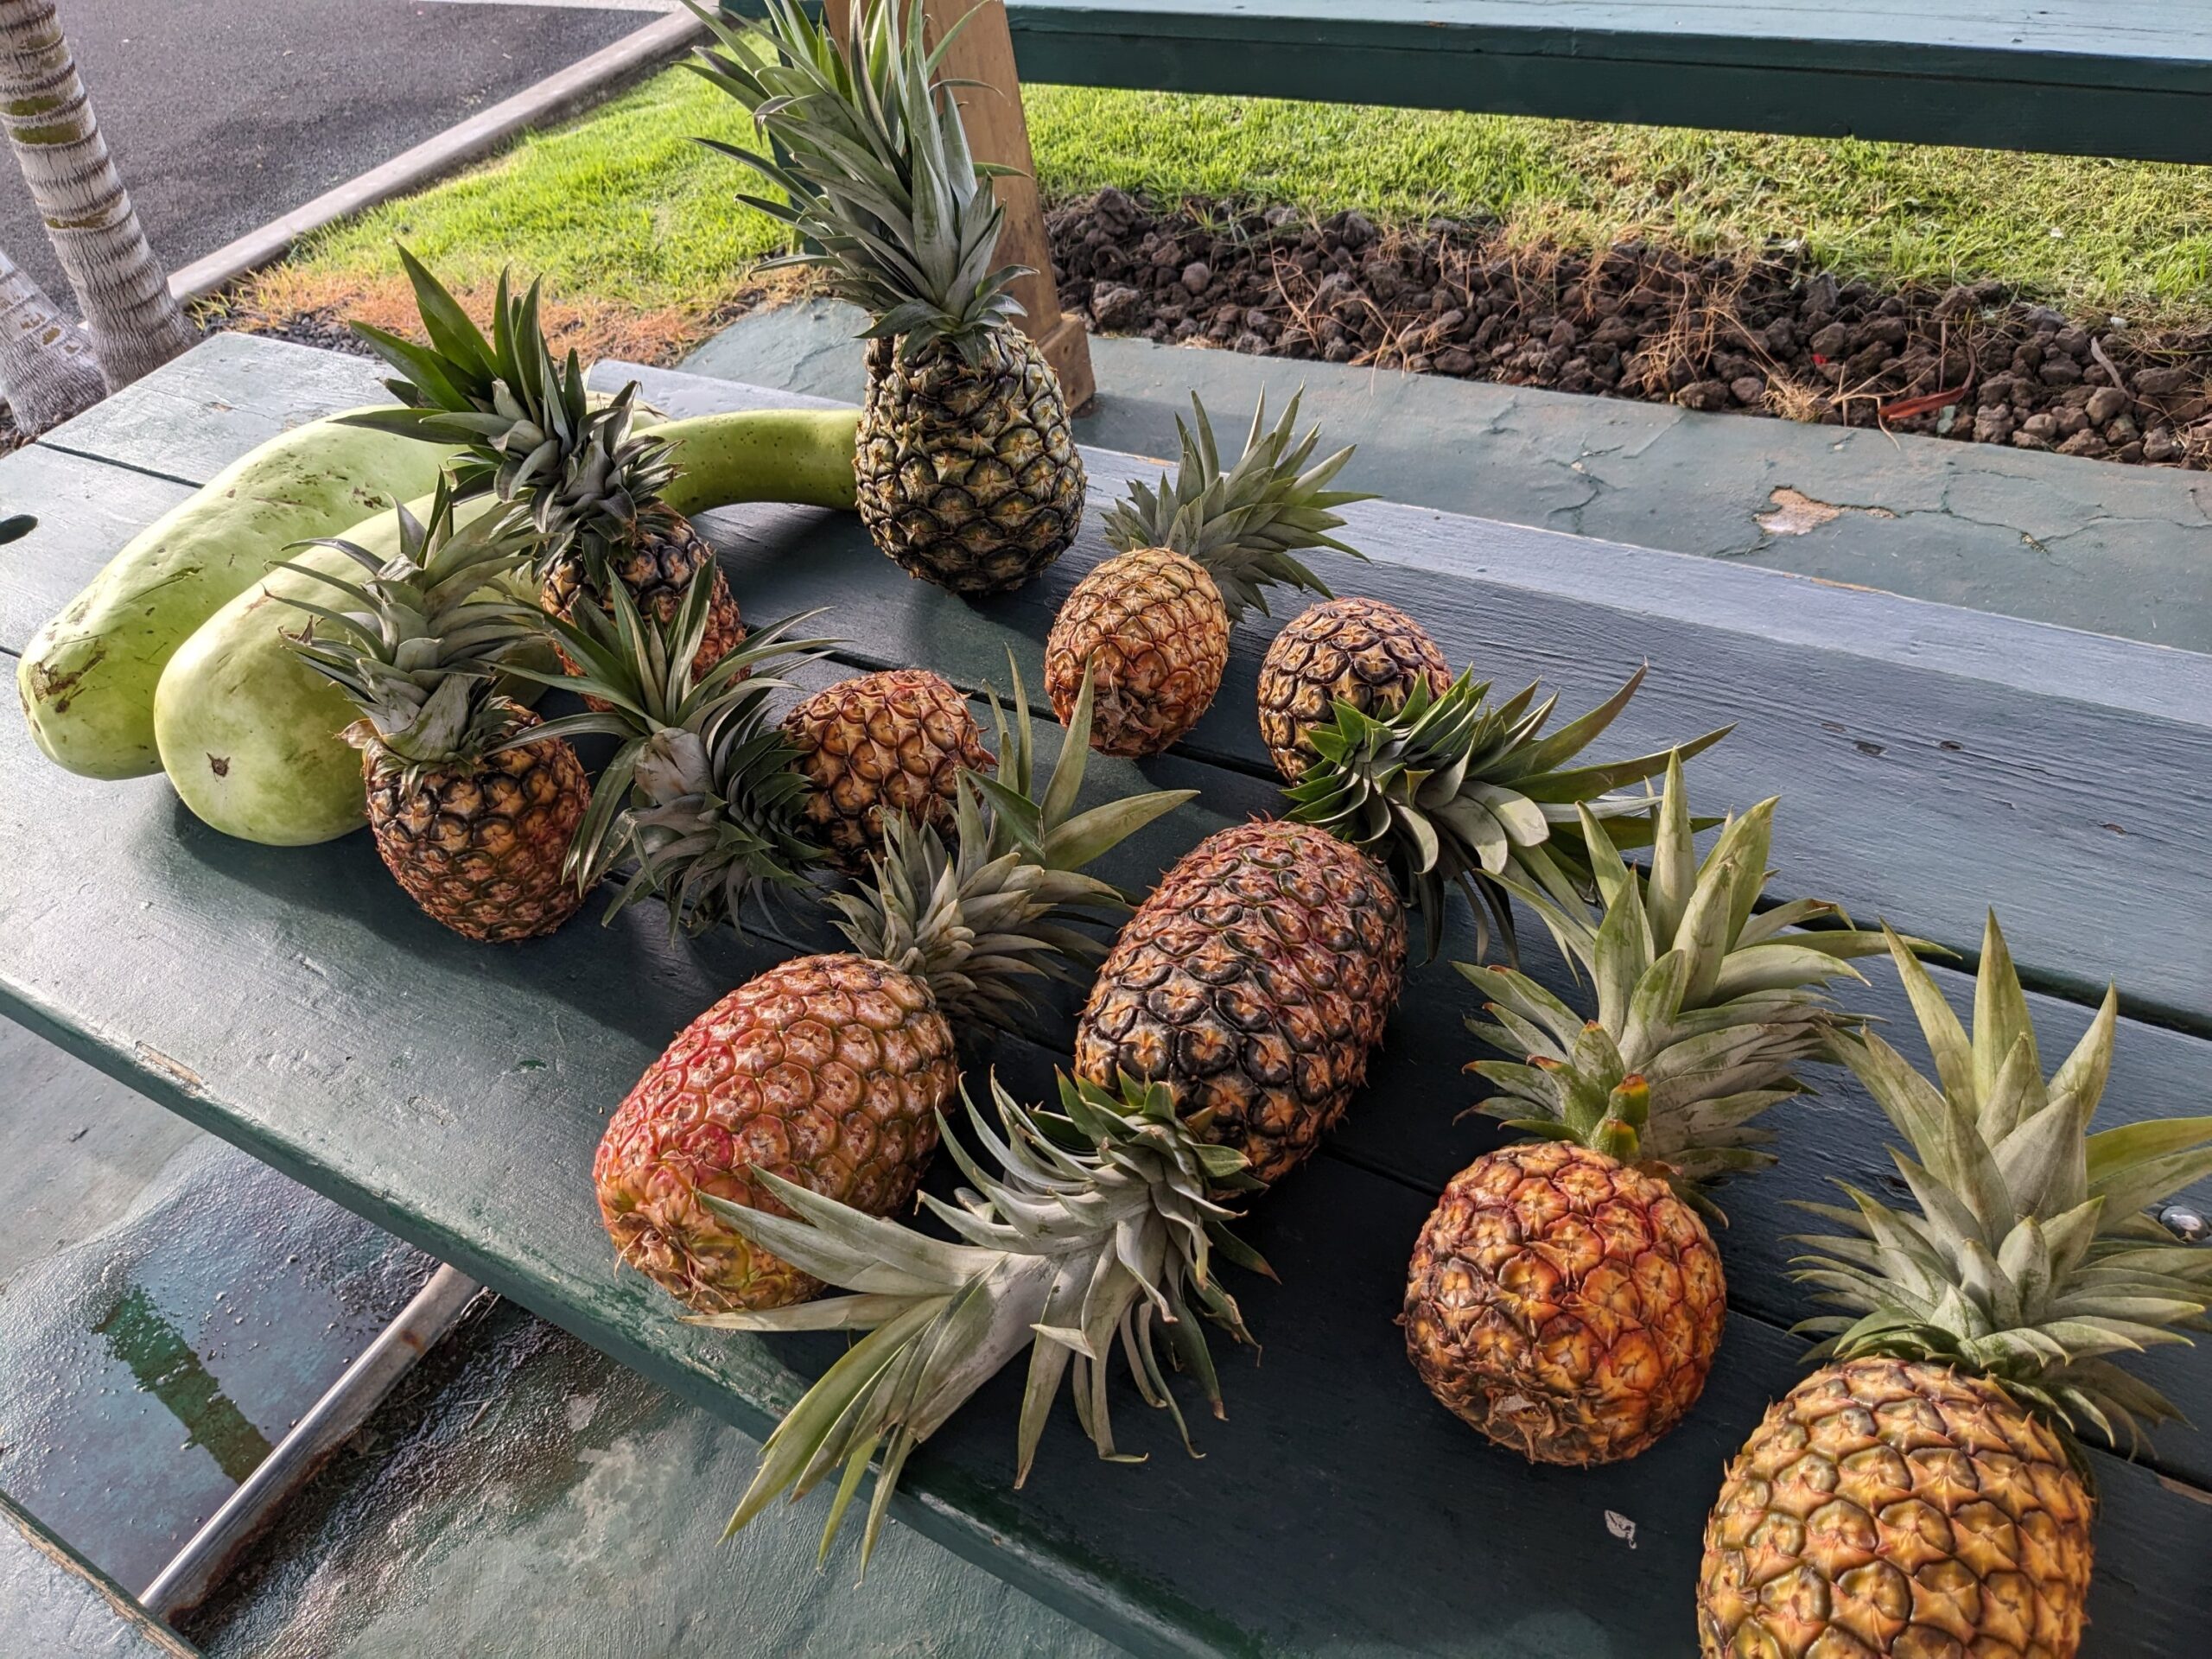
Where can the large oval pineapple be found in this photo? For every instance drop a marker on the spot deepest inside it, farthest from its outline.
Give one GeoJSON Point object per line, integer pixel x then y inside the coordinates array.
{"type": "Point", "coordinates": [894, 743]}
{"type": "Point", "coordinates": [1255, 981]}
{"type": "Point", "coordinates": [829, 1070]}
{"type": "Point", "coordinates": [966, 471]}
{"type": "Point", "coordinates": [1918, 1495]}
{"type": "Point", "coordinates": [1565, 1297]}
{"type": "Point", "coordinates": [1151, 626]}
{"type": "Point", "coordinates": [473, 817]}
{"type": "Point", "coordinates": [1358, 651]}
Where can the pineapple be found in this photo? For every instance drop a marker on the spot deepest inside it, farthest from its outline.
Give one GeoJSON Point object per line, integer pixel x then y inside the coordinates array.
{"type": "Point", "coordinates": [538, 439]}
{"type": "Point", "coordinates": [1152, 624]}
{"type": "Point", "coordinates": [704, 791]}
{"type": "Point", "coordinates": [1921, 1492]}
{"type": "Point", "coordinates": [1565, 1297]}
{"type": "Point", "coordinates": [966, 469]}
{"type": "Point", "coordinates": [1444, 785]}
{"type": "Point", "coordinates": [894, 743]}
{"type": "Point", "coordinates": [1255, 981]}
{"type": "Point", "coordinates": [473, 803]}
{"type": "Point", "coordinates": [1356, 650]}
{"type": "Point", "coordinates": [830, 1070]}
{"type": "Point", "coordinates": [1099, 1229]}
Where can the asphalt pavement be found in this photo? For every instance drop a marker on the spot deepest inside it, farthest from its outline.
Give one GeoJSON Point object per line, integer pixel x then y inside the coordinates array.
{"type": "Point", "coordinates": [223, 114]}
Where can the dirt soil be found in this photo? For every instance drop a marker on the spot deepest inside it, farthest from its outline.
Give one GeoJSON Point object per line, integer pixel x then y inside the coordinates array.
{"type": "Point", "coordinates": [1753, 334]}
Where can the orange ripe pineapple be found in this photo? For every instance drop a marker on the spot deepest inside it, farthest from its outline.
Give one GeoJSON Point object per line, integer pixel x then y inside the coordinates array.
{"type": "Point", "coordinates": [884, 745]}
{"type": "Point", "coordinates": [1566, 1298]}
{"type": "Point", "coordinates": [1152, 624]}
{"type": "Point", "coordinates": [472, 814]}
{"type": "Point", "coordinates": [830, 1071]}
{"type": "Point", "coordinates": [1920, 1493]}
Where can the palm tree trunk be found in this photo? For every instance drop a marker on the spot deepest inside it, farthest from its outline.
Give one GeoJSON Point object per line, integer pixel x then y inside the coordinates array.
{"type": "Point", "coordinates": [124, 294]}
{"type": "Point", "coordinates": [46, 365]}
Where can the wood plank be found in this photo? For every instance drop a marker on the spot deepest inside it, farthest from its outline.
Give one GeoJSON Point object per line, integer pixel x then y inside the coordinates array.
{"type": "Point", "coordinates": [295, 1002]}
{"type": "Point", "coordinates": [59, 1605]}
{"type": "Point", "coordinates": [2070, 77]}
{"type": "Point", "coordinates": [86, 510]}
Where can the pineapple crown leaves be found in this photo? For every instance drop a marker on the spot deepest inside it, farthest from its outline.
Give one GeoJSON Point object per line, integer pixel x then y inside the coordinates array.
{"type": "Point", "coordinates": [430, 632]}
{"type": "Point", "coordinates": [2032, 1258]}
{"type": "Point", "coordinates": [532, 431]}
{"type": "Point", "coordinates": [1454, 789]}
{"type": "Point", "coordinates": [1003, 904]}
{"type": "Point", "coordinates": [1705, 1007]}
{"type": "Point", "coordinates": [1102, 1226]}
{"type": "Point", "coordinates": [702, 791]}
{"type": "Point", "coordinates": [872, 162]}
{"type": "Point", "coordinates": [1243, 524]}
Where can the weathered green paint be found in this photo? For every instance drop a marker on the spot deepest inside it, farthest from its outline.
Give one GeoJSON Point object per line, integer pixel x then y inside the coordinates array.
{"type": "Point", "coordinates": [295, 1003]}
{"type": "Point", "coordinates": [2069, 76]}
{"type": "Point", "coordinates": [2091, 544]}
{"type": "Point", "coordinates": [57, 1605]}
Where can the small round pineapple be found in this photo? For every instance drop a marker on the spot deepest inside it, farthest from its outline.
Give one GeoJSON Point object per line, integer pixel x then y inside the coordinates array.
{"type": "Point", "coordinates": [892, 742]}
{"type": "Point", "coordinates": [1565, 1305]}
{"type": "Point", "coordinates": [1356, 650]}
{"type": "Point", "coordinates": [829, 1070]}
{"type": "Point", "coordinates": [590, 485]}
{"type": "Point", "coordinates": [1566, 1298]}
{"type": "Point", "coordinates": [1255, 981]}
{"type": "Point", "coordinates": [480, 846]}
{"type": "Point", "coordinates": [655, 562]}
{"type": "Point", "coordinates": [1921, 1493]}
{"type": "Point", "coordinates": [1152, 624]}
{"type": "Point", "coordinates": [472, 817]}
{"type": "Point", "coordinates": [1897, 1508]}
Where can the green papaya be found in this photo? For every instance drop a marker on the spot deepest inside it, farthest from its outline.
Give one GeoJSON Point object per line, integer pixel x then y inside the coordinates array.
{"type": "Point", "coordinates": [88, 678]}
{"type": "Point", "coordinates": [249, 734]}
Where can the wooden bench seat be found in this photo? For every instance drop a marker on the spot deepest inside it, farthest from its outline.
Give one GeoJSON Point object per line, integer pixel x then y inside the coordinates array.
{"type": "Point", "coordinates": [1931, 761]}
{"type": "Point", "coordinates": [2067, 75]}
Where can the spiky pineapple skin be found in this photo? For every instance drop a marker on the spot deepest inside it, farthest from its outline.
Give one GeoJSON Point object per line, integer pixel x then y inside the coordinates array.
{"type": "Point", "coordinates": [1360, 651]}
{"type": "Point", "coordinates": [827, 1071]}
{"type": "Point", "coordinates": [1899, 1508]}
{"type": "Point", "coordinates": [893, 742]}
{"type": "Point", "coordinates": [1566, 1306]}
{"type": "Point", "coordinates": [656, 565]}
{"type": "Point", "coordinates": [1152, 627]}
{"type": "Point", "coordinates": [1256, 981]}
{"type": "Point", "coordinates": [480, 848]}
{"type": "Point", "coordinates": [968, 475]}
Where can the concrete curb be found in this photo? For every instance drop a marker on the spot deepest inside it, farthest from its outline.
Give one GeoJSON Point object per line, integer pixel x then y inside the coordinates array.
{"type": "Point", "coordinates": [557, 96]}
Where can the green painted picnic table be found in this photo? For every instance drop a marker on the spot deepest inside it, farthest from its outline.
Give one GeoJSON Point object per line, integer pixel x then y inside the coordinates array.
{"type": "Point", "coordinates": [1931, 761]}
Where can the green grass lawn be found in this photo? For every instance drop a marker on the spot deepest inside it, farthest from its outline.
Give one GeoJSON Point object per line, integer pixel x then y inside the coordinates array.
{"type": "Point", "coordinates": [620, 210]}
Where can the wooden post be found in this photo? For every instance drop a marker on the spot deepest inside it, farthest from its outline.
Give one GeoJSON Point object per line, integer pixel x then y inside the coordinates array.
{"type": "Point", "coordinates": [998, 131]}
